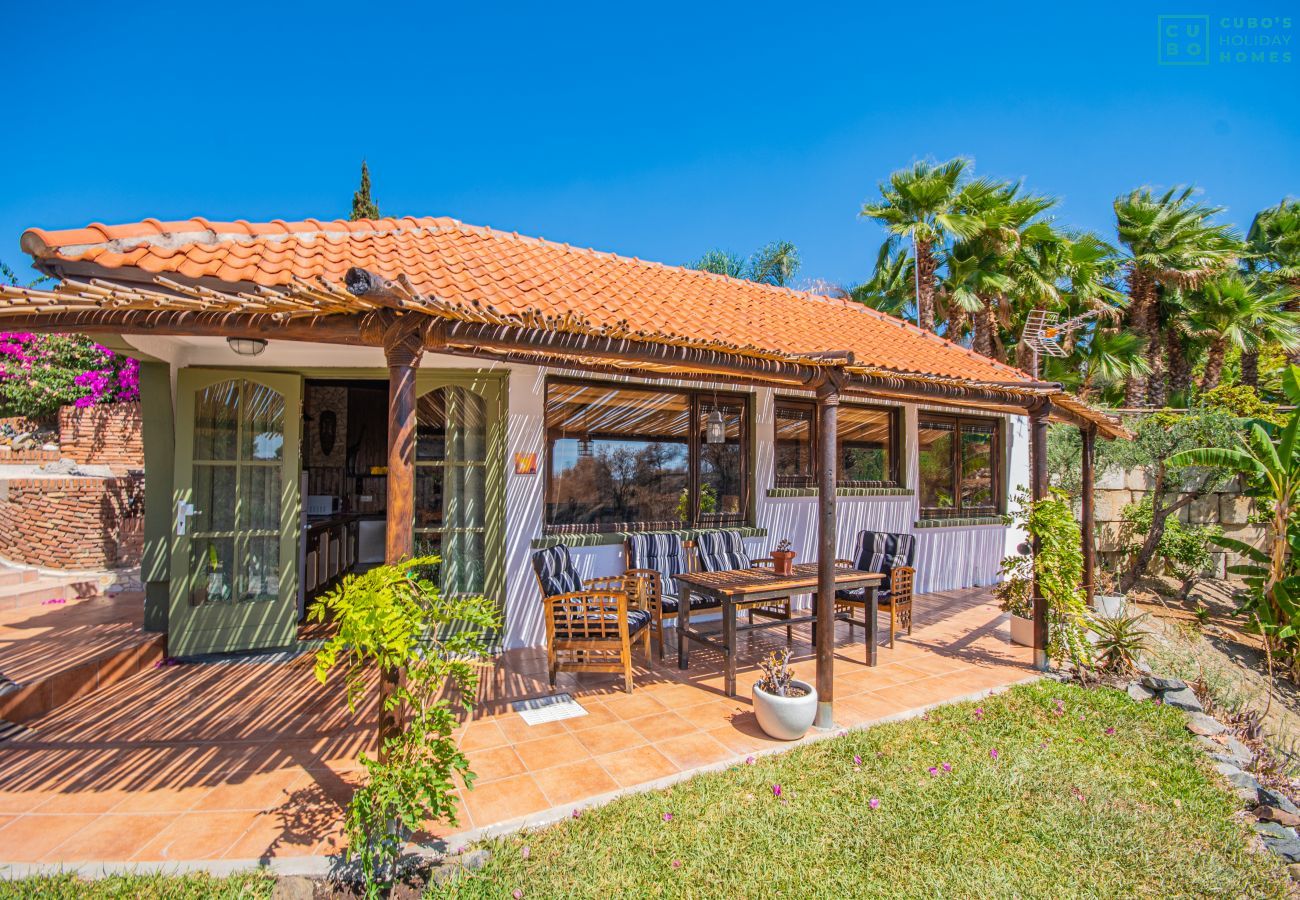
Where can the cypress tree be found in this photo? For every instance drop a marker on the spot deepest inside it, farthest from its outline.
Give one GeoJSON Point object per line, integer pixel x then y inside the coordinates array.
{"type": "Point", "coordinates": [363, 207]}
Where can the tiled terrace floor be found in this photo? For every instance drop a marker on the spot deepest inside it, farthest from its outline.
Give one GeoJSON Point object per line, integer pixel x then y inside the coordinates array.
{"type": "Point", "coordinates": [251, 760]}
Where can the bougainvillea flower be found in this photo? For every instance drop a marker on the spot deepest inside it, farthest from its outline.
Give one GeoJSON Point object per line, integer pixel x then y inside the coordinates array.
{"type": "Point", "coordinates": [776, 790]}
{"type": "Point", "coordinates": [857, 760]}
{"type": "Point", "coordinates": [677, 863]}
{"type": "Point", "coordinates": [668, 817]}
{"type": "Point", "coordinates": [874, 803]}
{"type": "Point", "coordinates": [1111, 730]}
{"type": "Point", "coordinates": [526, 852]}
{"type": "Point", "coordinates": [993, 754]}
{"type": "Point", "coordinates": [947, 767]}
{"type": "Point", "coordinates": [934, 770]}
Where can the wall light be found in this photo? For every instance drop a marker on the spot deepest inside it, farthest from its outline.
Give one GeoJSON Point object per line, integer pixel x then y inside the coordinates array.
{"type": "Point", "coordinates": [246, 346]}
{"type": "Point", "coordinates": [715, 429]}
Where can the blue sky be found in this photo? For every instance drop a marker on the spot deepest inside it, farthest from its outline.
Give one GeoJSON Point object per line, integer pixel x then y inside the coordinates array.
{"type": "Point", "coordinates": [648, 129]}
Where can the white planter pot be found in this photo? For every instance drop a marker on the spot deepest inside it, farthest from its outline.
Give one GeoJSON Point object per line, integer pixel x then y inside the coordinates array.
{"type": "Point", "coordinates": [1022, 631]}
{"type": "Point", "coordinates": [785, 718]}
{"type": "Point", "coordinates": [1110, 607]}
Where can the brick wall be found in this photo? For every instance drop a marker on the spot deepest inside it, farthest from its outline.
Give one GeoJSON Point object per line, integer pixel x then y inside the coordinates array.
{"type": "Point", "coordinates": [72, 523]}
{"type": "Point", "coordinates": [102, 435]}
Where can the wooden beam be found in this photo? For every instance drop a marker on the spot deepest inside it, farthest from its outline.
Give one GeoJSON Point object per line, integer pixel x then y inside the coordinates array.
{"type": "Point", "coordinates": [325, 329]}
{"type": "Point", "coordinates": [1038, 417]}
{"type": "Point", "coordinates": [1089, 436]}
{"type": "Point", "coordinates": [828, 401]}
{"type": "Point", "coordinates": [402, 348]}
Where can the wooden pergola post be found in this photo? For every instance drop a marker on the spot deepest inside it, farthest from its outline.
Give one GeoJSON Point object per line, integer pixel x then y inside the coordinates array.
{"type": "Point", "coordinates": [402, 348]}
{"type": "Point", "coordinates": [1038, 490]}
{"type": "Point", "coordinates": [1088, 512]}
{"type": "Point", "coordinates": [828, 402]}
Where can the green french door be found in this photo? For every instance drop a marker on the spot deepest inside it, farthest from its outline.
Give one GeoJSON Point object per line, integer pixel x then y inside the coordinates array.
{"type": "Point", "coordinates": [459, 484]}
{"type": "Point", "coordinates": [235, 511]}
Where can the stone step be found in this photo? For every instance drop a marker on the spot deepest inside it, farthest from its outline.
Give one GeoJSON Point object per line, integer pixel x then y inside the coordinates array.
{"type": "Point", "coordinates": [17, 576]}
{"type": "Point", "coordinates": [45, 589]}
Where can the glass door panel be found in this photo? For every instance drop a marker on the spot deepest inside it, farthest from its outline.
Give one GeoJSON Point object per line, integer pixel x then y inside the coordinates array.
{"type": "Point", "coordinates": [450, 485]}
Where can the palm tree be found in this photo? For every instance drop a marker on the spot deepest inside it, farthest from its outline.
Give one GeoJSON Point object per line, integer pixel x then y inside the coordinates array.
{"type": "Point", "coordinates": [776, 264]}
{"type": "Point", "coordinates": [923, 204]}
{"type": "Point", "coordinates": [1228, 312]}
{"type": "Point", "coordinates": [891, 288]}
{"type": "Point", "coordinates": [1273, 256]}
{"type": "Point", "coordinates": [1171, 244]}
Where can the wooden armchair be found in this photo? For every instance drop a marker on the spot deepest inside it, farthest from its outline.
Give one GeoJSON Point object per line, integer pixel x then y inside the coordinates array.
{"type": "Point", "coordinates": [893, 555]}
{"type": "Point", "coordinates": [590, 625]}
{"type": "Point", "coordinates": [654, 560]}
{"type": "Point", "coordinates": [721, 550]}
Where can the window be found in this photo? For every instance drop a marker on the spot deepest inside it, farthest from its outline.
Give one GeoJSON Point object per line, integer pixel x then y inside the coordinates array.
{"type": "Point", "coordinates": [625, 458]}
{"type": "Point", "coordinates": [960, 471]}
{"type": "Point", "coordinates": [867, 437]}
{"type": "Point", "coordinates": [450, 485]}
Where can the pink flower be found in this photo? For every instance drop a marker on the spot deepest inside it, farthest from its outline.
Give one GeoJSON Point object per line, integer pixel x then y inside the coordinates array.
{"type": "Point", "coordinates": [526, 852]}
{"type": "Point", "coordinates": [677, 863]}
{"type": "Point", "coordinates": [947, 767]}
{"type": "Point", "coordinates": [1110, 731]}
{"type": "Point", "coordinates": [668, 817]}
{"type": "Point", "coordinates": [857, 760]}
{"type": "Point", "coordinates": [993, 754]}
{"type": "Point", "coordinates": [749, 760]}
{"type": "Point", "coordinates": [979, 712]}
{"type": "Point", "coordinates": [517, 894]}
{"type": "Point", "coordinates": [776, 790]}
{"type": "Point", "coordinates": [577, 813]}
{"type": "Point", "coordinates": [933, 771]}
{"type": "Point", "coordinates": [874, 803]}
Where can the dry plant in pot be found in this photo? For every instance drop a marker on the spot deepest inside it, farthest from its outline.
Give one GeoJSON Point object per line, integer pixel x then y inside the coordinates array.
{"type": "Point", "coordinates": [783, 558]}
{"type": "Point", "coordinates": [785, 706]}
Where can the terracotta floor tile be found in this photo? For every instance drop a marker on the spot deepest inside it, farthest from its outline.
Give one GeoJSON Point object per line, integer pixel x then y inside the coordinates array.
{"type": "Point", "coordinates": [610, 738]}
{"type": "Point", "coordinates": [32, 838]}
{"type": "Point", "coordinates": [82, 802]}
{"type": "Point", "coordinates": [498, 762]}
{"type": "Point", "coordinates": [597, 714]}
{"type": "Point", "coordinates": [573, 783]}
{"type": "Point", "coordinates": [693, 750]}
{"type": "Point", "coordinates": [481, 736]}
{"type": "Point", "coordinates": [516, 730]}
{"type": "Point", "coordinates": [636, 766]}
{"type": "Point", "coordinates": [735, 740]}
{"type": "Point", "coordinates": [505, 799]}
{"type": "Point", "coordinates": [253, 791]}
{"type": "Point", "coordinates": [710, 715]}
{"type": "Point", "coordinates": [557, 750]}
{"type": "Point", "coordinates": [162, 800]}
{"type": "Point", "coordinates": [205, 835]}
{"type": "Point", "coordinates": [662, 725]}
{"type": "Point", "coordinates": [109, 837]}
{"type": "Point", "coordinates": [634, 706]}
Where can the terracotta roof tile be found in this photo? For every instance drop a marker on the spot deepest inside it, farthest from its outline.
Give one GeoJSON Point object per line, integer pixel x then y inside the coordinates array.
{"type": "Point", "coordinates": [468, 264]}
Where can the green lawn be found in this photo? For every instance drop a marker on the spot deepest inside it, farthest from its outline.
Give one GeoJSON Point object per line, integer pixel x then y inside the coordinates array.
{"type": "Point", "coordinates": [144, 887]}
{"type": "Point", "coordinates": [1065, 809]}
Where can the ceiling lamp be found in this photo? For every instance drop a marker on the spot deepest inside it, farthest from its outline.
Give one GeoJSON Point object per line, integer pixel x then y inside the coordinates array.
{"type": "Point", "coordinates": [715, 429]}
{"type": "Point", "coordinates": [246, 346]}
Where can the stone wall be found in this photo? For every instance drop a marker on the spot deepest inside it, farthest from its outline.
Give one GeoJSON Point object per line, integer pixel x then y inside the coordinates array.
{"type": "Point", "coordinates": [1227, 508]}
{"type": "Point", "coordinates": [102, 435]}
{"type": "Point", "coordinates": [78, 524]}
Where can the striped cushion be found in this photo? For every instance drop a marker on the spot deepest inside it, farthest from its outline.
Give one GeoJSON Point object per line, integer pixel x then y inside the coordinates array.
{"type": "Point", "coordinates": [665, 554]}
{"type": "Point", "coordinates": [721, 550]}
{"type": "Point", "coordinates": [636, 620]}
{"type": "Point", "coordinates": [880, 551]}
{"type": "Point", "coordinates": [555, 571]}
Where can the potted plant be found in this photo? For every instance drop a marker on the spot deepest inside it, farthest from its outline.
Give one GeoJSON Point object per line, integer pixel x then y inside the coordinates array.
{"type": "Point", "coordinates": [783, 558]}
{"type": "Point", "coordinates": [1015, 594]}
{"type": "Point", "coordinates": [785, 706]}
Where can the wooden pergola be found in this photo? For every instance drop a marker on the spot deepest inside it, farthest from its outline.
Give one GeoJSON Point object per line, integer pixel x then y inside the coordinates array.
{"type": "Point", "coordinates": [369, 309]}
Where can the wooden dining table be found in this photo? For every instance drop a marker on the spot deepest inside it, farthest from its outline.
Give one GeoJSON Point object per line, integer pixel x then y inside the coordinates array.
{"type": "Point", "coordinates": [738, 589]}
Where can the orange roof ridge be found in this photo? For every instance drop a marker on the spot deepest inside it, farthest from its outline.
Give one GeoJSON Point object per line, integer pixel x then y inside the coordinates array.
{"type": "Point", "coordinates": [516, 274]}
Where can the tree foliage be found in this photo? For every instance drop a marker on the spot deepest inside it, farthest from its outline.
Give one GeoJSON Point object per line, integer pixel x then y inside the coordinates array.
{"type": "Point", "coordinates": [775, 264]}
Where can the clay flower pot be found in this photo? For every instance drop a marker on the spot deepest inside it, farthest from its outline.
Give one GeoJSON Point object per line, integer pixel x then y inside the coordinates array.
{"type": "Point", "coordinates": [783, 561]}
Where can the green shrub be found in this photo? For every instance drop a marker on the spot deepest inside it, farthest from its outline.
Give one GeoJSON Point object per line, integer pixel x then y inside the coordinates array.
{"type": "Point", "coordinates": [1058, 566]}
{"type": "Point", "coordinates": [394, 619]}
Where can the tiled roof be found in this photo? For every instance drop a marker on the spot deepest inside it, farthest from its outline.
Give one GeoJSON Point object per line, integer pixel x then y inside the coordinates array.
{"type": "Point", "coordinates": [476, 266]}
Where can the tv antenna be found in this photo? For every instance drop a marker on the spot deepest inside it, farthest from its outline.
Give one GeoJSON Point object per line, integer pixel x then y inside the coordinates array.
{"type": "Point", "coordinates": [1043, 333]}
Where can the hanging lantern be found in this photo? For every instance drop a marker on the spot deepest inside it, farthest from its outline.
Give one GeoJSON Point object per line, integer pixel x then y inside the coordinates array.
{"type": "Point", "coordinates": [584, 447]}
{"type": "Point", "coordinates": [715, 429]}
